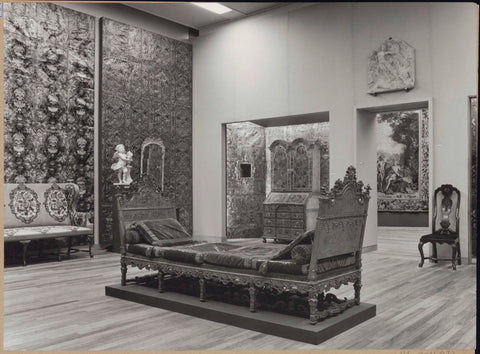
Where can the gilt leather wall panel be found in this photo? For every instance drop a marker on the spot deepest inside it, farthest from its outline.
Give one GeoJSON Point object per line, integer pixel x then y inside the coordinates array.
{"type": "Point", "coordinates": [245, 144]}
{"type": "Point", "coordinates": [146, 92]}
{"type": "Point", "coordinates": [49, 96]}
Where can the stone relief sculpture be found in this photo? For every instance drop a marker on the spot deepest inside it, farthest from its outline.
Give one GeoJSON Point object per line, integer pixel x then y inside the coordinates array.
{"type": "Point", "coordinates": [122, 165]}
{"type": "Point", "coordinates": [391, 67]}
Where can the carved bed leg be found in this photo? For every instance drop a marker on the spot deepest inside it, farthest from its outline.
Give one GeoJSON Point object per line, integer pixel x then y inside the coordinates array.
{"type": "Point", "coordinates": [90, 242]}
{"type": "Point", "coordinates": [69, 246]}
{"type": "Point", "coordinates": [435, 255]}
{"type": "Point", "coordinates": [454, 257]}
{"type": "Point", "coordinates": [459, 255]}
{"type": "Point", "coordinates": [40, 248]}
{"type": "Point", "coordinates": [202, 289]}
{"type": "Point", "coordinates": [357, 286]}
{"type": "Point", "coordinates": [59, 248]}
{"type": "Point", "coordinates": [161, 282]}
{"type": "Point", "coordinates": [124, 273]}
{"type": "Point", "coordinates": [253, 298]}
{"type": "Point", "coordinates": [420, 248]}
{"type": "Point", "coordinates": [313, 303]}
{"type": "Point", "coordinates": [25, 246]}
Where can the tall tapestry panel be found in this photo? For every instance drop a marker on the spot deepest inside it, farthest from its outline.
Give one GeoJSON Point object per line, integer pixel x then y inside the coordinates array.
{"type": "Point", "coordinates": [146, 93]}
{"type": "Point", "coordinates": [474, 171]}
{"type": "Point", "coordinates": [49, 96]}
{"type": "Point", "coordinates": [402, 161]}
{"type": "Point", "coordinates": [245, 147]}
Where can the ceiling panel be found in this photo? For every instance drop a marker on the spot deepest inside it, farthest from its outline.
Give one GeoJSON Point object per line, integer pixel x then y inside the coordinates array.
{"type": "Point", "coordinates": [251, 7]}
{"type": "Point", "coordinates": [196, 17]}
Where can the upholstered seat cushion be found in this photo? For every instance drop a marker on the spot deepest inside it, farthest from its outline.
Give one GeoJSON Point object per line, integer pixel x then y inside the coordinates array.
{"type": "Point", "coordinates": [301, 254]}
{"type": "Point", "coordinates": [248, 257]}
{"type": "Point", "coordinates": [40, 232]}
{"type": "Point", "coordinates": [290, 266]}
{"type": "Point", "coordinates": [439, 237]}
{"type": "Point", "coordinates": [287, 266]}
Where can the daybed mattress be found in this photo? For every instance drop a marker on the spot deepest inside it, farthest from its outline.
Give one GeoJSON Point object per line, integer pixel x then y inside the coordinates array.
{"type": "Point", "coordinates": [234, 256]}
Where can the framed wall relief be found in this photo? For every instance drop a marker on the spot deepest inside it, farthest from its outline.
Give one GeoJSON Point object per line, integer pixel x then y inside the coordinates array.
{"type": "Point", "coordinates": [402, 161]}
{"type": "Point", "coordinates": [391, 67]}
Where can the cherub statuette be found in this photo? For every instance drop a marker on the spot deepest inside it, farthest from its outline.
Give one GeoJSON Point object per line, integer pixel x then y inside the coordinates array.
{"type": "Point", "coordinates": [122, 165]}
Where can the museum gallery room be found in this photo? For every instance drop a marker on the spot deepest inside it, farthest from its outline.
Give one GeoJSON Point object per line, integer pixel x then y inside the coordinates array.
{"type": "Point", "coordinates": [216, 176]}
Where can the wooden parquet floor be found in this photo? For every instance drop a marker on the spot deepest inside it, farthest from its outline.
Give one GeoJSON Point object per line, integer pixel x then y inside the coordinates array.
{"type": "Point", "coordinates": [62, 306]}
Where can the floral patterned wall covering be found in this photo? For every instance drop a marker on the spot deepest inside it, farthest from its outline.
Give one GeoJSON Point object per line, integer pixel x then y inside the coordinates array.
{"type": "Point", "coordinates": [312, 131]}
{"type": "Point", "coordinates": [146, 93]}
{"type": "Point", "coordinates": [245, 195]}
{"type": "Point", "coordinates": [49, 96]}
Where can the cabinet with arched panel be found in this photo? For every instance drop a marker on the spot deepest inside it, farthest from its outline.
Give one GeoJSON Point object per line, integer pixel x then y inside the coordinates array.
{"type": "Point", "coordinates": [292, 205]}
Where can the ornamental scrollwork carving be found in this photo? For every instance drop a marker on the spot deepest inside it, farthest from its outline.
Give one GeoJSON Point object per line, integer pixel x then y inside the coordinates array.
{"type": "Point", "coordinates": [24, 203]}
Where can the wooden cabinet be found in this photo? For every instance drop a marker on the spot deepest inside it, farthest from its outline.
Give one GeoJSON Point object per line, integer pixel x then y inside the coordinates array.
{"type": "Point", "coordinates": [292, 206]}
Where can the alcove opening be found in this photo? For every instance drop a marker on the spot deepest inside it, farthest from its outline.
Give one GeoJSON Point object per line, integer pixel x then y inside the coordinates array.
{"type": "Point", "coordinates": [247, 165]}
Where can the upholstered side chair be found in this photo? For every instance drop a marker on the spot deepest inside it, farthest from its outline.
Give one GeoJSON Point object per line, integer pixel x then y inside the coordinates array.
{"type": "Point", "coordinates": [445, 225]}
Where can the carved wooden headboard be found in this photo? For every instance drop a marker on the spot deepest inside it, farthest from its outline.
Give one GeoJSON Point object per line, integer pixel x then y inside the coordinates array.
{"type": "Point", "coordinates": [144, 203]}
{"type": "Point", "coordinates": [341, 219]}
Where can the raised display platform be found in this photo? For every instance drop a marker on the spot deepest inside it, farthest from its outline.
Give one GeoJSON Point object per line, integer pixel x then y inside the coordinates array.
{"type": "Point", "coordinates": [290, 327]}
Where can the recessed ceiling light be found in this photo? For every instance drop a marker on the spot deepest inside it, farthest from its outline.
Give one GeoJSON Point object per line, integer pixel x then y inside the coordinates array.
{"type": "Point", "coordinates": [213, 6]}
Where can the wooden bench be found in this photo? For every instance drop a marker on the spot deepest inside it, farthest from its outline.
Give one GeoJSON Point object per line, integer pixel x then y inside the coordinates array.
{"type": "Point", "coordinates": [39, 211]}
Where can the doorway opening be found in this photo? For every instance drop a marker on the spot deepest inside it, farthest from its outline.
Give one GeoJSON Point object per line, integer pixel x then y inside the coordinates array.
{"type": "Point", "coordinates": [394, 154]}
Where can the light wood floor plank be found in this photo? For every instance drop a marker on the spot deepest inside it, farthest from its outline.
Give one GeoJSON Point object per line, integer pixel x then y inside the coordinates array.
{"type": "Point", "coordinates": [62, 306]}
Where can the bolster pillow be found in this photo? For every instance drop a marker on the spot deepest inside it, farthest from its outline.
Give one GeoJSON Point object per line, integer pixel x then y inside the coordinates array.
{"type": "Point", "coordinates": [301, 254]}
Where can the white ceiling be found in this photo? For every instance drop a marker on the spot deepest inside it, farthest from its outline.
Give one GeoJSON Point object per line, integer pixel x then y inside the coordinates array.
{"type": "Point", "coordinates": [196, 17]}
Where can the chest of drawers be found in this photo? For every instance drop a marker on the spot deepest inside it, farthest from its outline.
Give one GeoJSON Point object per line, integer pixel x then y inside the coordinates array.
{"type": "Point", "coordinates": [287, 215]}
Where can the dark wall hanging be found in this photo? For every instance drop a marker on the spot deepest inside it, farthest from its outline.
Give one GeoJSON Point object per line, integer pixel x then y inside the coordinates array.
{"type": "Point", "coordinates": [146, 93]}
{"type": "Point", "coordinates": [474, 171]}
{"type": "Point", "coordinates": [49, 96]}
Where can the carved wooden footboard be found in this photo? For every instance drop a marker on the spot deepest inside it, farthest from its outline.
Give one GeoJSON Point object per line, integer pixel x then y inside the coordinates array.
{"type": "Point", "coordinates": [339, 232]}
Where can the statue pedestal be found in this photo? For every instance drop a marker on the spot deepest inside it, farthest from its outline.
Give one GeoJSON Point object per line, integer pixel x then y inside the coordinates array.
{"type": "Point", "coordinates": [122, 184]}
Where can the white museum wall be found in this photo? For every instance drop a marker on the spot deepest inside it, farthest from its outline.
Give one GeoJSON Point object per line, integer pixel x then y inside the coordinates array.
{"type": "Point", "coordinates": [315, 59]}
{"type": "Point", "coordinates": [444, 36]}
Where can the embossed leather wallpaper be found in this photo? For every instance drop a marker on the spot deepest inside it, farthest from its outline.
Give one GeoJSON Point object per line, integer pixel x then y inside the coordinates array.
{"type": "Point", "coordinates": [49, 96]}
{"type": "Point", "coordinates": [146, 92]}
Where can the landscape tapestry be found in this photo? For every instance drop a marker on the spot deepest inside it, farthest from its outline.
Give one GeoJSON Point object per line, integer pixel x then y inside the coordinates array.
{"type": "Point", "coordinates": [146, 93]}
{"type": "Point", "coordinates": [402, 161]}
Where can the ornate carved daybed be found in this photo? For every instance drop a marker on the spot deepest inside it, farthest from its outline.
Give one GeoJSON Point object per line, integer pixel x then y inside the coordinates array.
{"type": "Point", "coordinates": [310, 265]}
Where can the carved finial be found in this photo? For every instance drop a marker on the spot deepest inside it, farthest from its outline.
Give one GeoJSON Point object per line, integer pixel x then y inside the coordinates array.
{"type": "Point", "coordinates": [350, 178]}
{"type": "Point", "coordinates": [350, 175]}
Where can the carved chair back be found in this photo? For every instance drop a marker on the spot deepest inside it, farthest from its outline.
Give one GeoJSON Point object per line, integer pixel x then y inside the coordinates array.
{"type": "Point", "coordinates": [341, 219]}
{"type": "Point", "coordinates": [446, 209]}
{"type": "Point", "coordinates": [143, 203]}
